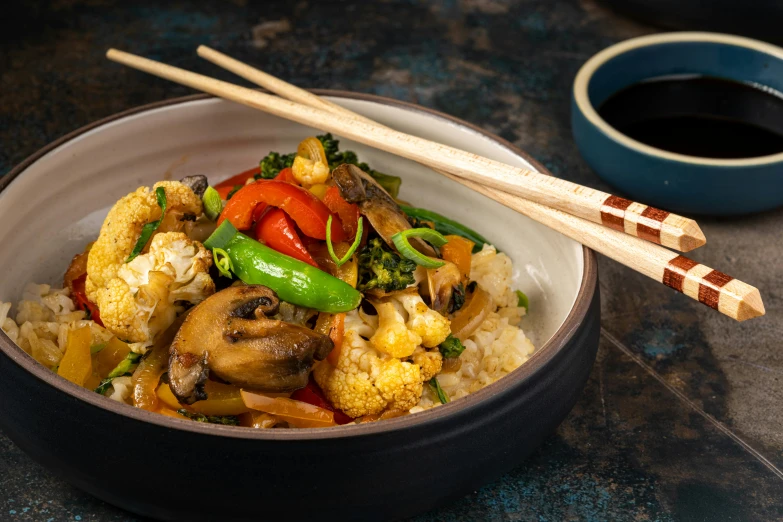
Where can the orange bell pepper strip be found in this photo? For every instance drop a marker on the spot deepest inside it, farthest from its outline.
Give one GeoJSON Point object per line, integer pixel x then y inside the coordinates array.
{"type": "Point", "coordinates": [307, 211]}
{"type": "Point", "coordinates": [277, 231]}
{"type": "Point", "coordinates": [348, 212]}
{"type": "Point", "coordinates": [226, 186]}
{"type": "Point", "coordinates": [297, 413]}
{"type": "Point", "coordinates": [287, 175]}
{"type": "Point", "coordinates": [76, 364]}
{"type": "Point", "coordinates": [459, 251]}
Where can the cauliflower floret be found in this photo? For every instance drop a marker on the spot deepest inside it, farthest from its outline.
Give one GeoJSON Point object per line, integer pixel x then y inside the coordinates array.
{"type": "Point", "coordinates": [309, 172]}
{"type": "Point", "coordinates": [122, 228]}
{"type": "Point", "coordinates": [429, 362]}
{"type": "Point", "coordinates": [366, 381]}
{"type": "Point", "coordinates": [140, 301]}
{"type": "Point", "coordinates": [392, 336]}
{"type": "Point", "coordinates": [432, 327]}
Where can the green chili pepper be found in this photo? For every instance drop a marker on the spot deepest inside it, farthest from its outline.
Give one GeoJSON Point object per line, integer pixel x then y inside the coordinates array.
{"type": "Point", "coordinates": [522, 299]}
{"type": "Point", "coordinates": [354, 246]}
{"type": "Point", "coordinates": [150, 228]}
{"type": "Point", "coordinates": [446, 226]}
{"type": "Point", "coordinates": [443, 397]}
{"type": "Point", "coordinates": [400, 240]}
{"type": "Point", "coordinates": [213, 205]}
{"type": "Point", "coordinates": [294, 281]}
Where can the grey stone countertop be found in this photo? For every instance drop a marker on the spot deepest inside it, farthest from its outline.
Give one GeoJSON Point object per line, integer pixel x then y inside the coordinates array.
{"type": "Point", "coordinates": [681, 418]}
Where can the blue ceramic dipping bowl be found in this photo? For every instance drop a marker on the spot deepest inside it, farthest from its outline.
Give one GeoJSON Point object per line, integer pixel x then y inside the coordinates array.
{"type": "Point", "coordinates": [677, 182]}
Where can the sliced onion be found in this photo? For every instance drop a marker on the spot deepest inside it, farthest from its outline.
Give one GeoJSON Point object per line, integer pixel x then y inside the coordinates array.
{"type": "Point", "coordinates": [441, 283]}
{"type": "Point", "coordinates": [297, 413]}
{"type": "Point", "coordinates": [468, 319]}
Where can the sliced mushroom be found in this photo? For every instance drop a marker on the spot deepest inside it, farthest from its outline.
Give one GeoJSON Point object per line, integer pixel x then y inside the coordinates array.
{"type": "Point", "coordinates": [231, 336]}
{"type": "Point", "coordinates": [385, 216]}
{"type": "Point", "coordinates": [198, 184]}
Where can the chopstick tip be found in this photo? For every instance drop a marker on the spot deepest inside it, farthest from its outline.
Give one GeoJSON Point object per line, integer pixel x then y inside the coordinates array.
{"type": "Point", "coordinates": [750, 306]}
{"type": "Point", "coordinates": [692, 237]}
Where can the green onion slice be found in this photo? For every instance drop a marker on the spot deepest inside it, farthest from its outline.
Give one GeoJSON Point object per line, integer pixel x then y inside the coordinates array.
{"type": "Point", "coordinates": [442, 395]}
{"type": "Point", "coordinates": [149, 228]}
{"type": "Point", "coordinates": [223, 262]}
{"type": "Point", "coordinates": [522, 299]}
{"type": "Point", "coordinates": [400, 240]}
{"type": "Point", "coordinates": [354, 246]}
{"type": "Point", "coordinates": [213, 205]}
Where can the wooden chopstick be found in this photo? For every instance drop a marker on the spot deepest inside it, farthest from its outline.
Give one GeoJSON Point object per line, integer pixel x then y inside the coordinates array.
{"type": "Point", "coordinates": [633, 218]}
{"type": "Point", "coordinates": [729, 296]}
{"type": "Point", "coordinates": [715, 289]}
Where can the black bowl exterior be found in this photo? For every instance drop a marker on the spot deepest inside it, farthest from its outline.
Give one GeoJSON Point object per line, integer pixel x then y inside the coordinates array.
{"type": "Point", "coordinates": [171, 474]}
{"type": "Point", "coordinates": [173, 469]}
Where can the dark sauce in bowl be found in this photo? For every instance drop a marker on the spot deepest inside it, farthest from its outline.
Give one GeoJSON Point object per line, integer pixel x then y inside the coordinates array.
{"type": "Point", "coordinates": [699, 116]}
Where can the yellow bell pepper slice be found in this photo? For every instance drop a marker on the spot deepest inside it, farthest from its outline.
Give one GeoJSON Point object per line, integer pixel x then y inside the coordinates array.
{"type": "Point", "coordinates": [76, 364]}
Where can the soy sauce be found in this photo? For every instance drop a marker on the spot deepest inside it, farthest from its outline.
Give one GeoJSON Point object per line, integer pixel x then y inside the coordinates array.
{"type": "Point", "coordinates": [699, 116]}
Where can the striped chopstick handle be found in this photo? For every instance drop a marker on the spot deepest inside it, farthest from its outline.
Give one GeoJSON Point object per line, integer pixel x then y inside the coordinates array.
{"type": "Point", "coordinates": [645, 222]}
{"type": "Point", "coordinates": [713, 288]}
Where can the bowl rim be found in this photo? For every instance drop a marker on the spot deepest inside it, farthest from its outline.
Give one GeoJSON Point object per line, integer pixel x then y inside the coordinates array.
{"type": "Point", "coordinates": [588, 69]}
{"type": "Point", "coordinates": [540, 358]}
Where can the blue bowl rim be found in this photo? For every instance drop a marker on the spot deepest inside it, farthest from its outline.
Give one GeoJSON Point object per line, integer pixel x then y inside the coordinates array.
{"type": "Point", "coordinates": [586, 72]}
{"type": "Point", "coordinates": [543, 356]}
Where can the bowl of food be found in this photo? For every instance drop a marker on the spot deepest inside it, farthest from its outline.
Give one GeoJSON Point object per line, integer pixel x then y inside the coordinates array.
{"type": "Point", "coordinates": [689, 121]}
{"type": "Point", "coordinates": [334, 332]}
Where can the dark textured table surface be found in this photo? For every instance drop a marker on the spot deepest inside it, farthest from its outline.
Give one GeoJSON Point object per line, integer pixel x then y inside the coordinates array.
{"type": "Point", "coordinates": [681, 418]}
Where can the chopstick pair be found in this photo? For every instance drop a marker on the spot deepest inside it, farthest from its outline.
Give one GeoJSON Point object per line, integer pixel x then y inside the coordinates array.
{"type": "Point", "coordinates": [598, 220]}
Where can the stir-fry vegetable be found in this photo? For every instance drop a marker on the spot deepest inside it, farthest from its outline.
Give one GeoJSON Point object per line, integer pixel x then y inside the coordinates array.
{"type": "Point", "coordinates": [459, 250]}
{"type": "Point", "coordinates": [222, 262]}
{"type": "Point", "coordinates": [312, 394]}
{"type": "Point", "coordinates": [238, 181]}
{"type": "Point", "coordinates": [296, 413]}
{"type": "Point", "coordinates": [310, 166]}
{"type": "Point", "coordinates": [404, 247]}
{"type": "Point", "coordinates": [149, 228]}
{"type": "Point", "coordinates": [390, 184]}
{"type": "Point", "coordinates": [446, 226]}
{"type": "Point", "coordinates": [303, 207]}
{"type": "Point", "coordinates": [212, 203]}
{"type": "Point", "coordinates": [383, 269]}
{"type": "Point", "coordinates": [273, 163]}
{"type": "Point", "coordinates": [76, 364]}
{"type": "Point", "coordinates": [222, 399]}
{"type": "Point", "coordinates": [349, 212]}
{"type": "Point", "coordinates": [340, 261]}
{"type": "Point", "coordinates": [294, 281]}
{"type": "Point", "coordinates": [470, 317]}
{"type": "Point", "coordinates": [226, 420]}
{"type": "Point", "coordinates": [522, 299]}
{"type": "Point", "coordinates": [451, 347]}
{"type": "Point", "coordinates": [440, 392]}
{"type": "Point", "coordinates": [122, 369]}
{"type": "Point", "coordinates": [277, 231]}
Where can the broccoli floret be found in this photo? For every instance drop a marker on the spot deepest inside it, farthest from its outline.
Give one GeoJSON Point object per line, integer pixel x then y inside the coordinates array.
{"type": "Point", "coordinates": [227, 420]}
{"type": "Point", "coordinates": [381, 268]}
{"type": "Point", "coordinates": [451, 347]}
{"type": "Point", "coordinates": [273, 163]}
{"type": "Point", "coordinates": [335, 158]}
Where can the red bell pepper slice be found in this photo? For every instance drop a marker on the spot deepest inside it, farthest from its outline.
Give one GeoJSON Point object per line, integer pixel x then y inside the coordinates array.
{"type": "Point", "coordinates": [312, 394]}
{"type": "Point", "coordinates": [287, 175]}
{"type": "Point", "coordinates": [79, 295]}
{"type": "Point", "coordinates": [226, 186]}
{"type": "Point", "coordinates": [277, 230]}
{"type": "Point", "coordinates": [307, 211]}
{"type": "Point", "coordinates": [348, 212]}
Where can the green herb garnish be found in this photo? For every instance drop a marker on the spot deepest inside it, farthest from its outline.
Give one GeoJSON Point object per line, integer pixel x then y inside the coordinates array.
{"type": "Point", "coordinates": [442, 396]}
{"type": "Point", "coordinates": [400, 240]}
{"type": "Point", "coordinates": [273, 163]}
{"type": "Point", "coordinates": [149, 228]}
{"type": "Point", "coordinates": [522, 299]}
{"type": "Point", "coordinates": [223, 262]}
{"type": "Point", "coordinates": [354, 246]}
{"type": "Point", "coordinates": [452, 347]}
{"type": "Point", "coordinates": [226, 420]}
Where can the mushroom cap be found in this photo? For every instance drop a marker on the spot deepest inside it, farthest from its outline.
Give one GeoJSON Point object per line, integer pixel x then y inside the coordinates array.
{"type": "Point", "coordinates": [230, 336]}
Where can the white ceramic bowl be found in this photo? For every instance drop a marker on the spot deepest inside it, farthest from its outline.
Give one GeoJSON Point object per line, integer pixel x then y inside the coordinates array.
{"type": "Point", "coordinates": [54, 202]}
